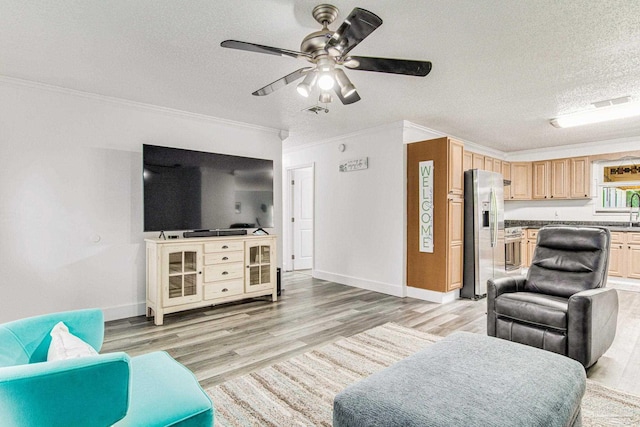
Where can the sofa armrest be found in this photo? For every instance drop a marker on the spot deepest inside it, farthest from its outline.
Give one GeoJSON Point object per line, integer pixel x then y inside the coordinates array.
{"type": "Point", "coordinates": [83, 391]}
{"type": "Point", "coordinates": [592, 322]}
{"type": "Point", "coordinates": [495, 288]}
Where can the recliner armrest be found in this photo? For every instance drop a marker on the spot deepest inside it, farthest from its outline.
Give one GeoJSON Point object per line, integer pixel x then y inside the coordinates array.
{"type": "Point", "coordinates": [501, 285]}
{"type": "Point", "coordinates": [592, 322]}
{"type": "Point", "coordinates": [87, 391]}
{"type": "Point", "coordinates": [495, 288]}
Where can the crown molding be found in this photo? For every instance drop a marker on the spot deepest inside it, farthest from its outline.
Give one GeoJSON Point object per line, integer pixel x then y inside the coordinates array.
{"type": "Point", "coordinates": [468, 145]}
{"type": "Point", "coordinates": [12, 81]}
{"type": "Point", "coordinates": [591, 148]}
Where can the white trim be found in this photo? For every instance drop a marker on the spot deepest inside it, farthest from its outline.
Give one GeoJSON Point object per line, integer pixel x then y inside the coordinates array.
{"type": "Point", "coordinates": [623, 284]}
{"type": "Point", "coordinates": [137, 105]}
{"type": "Point", "coordinates": [124, 311]}
{"type": "Point", "coordinates": [591, 148]}
{"type": "Point", "coordinates": [432, 296]}
{"type": "Point", "coordinates": [357, 282]}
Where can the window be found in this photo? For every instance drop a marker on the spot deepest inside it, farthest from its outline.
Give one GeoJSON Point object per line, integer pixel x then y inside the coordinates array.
{"type": "Point", "coordinates": [617, 181]}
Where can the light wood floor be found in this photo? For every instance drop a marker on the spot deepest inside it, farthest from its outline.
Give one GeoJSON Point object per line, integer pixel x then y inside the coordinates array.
{"type": "Point", "coordinates": [222, 342]}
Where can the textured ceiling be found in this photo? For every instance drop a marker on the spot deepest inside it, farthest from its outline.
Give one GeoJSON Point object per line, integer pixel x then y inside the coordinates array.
{"type": "Point", "coordinates": [501, 69]}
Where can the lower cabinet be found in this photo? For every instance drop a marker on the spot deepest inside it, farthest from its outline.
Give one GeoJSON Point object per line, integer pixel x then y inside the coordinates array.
{"type": "Point", "coordinates": [624, 255]}
{"type": "Point", "coordinates": [530, 238]}
{"type": "Point", "coordinates": [192, 273]}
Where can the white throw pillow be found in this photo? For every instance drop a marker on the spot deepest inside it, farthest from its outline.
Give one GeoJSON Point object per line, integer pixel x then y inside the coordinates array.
{"type": "Point", "coordinates": [65, 345]}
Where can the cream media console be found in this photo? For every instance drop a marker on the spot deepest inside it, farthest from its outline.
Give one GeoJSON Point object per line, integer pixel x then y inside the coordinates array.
{"type": "Point", "coordinates": [190, 273]}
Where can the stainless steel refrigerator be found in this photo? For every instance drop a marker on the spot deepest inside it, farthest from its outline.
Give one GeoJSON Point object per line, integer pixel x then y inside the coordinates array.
{"type": "Point", "coordinates": [483, 231]}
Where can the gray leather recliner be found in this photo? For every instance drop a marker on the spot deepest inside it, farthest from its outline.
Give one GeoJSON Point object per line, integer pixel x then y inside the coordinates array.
{"type": "Point", "coordinates": [562, 304]}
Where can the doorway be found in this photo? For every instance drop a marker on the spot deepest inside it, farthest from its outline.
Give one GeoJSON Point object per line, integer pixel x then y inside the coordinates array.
{"type": "Point", "coordinates": [300, 217]}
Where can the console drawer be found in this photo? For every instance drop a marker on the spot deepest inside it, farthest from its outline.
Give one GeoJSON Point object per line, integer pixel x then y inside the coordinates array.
{"type": "Point", "coordinates": [223, 257]}
{"type": "Point", "coordinates": [213, 273]}
{"type": "Point", "coordinates": [223, 289]}
{"type": "Point", "coordinates": [224, 246]}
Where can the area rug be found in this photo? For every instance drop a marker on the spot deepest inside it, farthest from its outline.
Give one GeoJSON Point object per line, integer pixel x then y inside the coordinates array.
{"type": "Point", "coordinates": [300, 391]}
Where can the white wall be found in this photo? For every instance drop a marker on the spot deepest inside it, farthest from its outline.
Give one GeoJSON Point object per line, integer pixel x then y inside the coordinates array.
{"type": "Point", "coordinates": [360, 216]}
{"type": "Point", "coordinates": [71, 194]}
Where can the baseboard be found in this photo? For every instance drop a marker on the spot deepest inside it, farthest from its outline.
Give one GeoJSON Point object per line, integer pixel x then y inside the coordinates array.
{"type": "Point", "coordinates": [433, 296]}
{"type": "Point", "coordinates": [124, 311]}
{"type": "Point", "coordinates": [356, 282]}
{"type": "Point", "coordinates": [623, 284]}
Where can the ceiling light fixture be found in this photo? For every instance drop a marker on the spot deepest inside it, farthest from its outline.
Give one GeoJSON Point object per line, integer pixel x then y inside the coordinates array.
{"type": "Point", "coordinates": [612, 109]}
{"type": "Point", "coordinates": [326, 81]}
{"type": "Point", "coordinates": [346, 87]}
{"type": "Point", "coordinates": [325, 97]}
{"type": "Point", "coordinates": [307, 84]}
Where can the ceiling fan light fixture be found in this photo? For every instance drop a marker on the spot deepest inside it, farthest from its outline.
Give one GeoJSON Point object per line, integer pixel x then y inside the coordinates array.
{"type": "Point", "coordinates": [325, 80]}
{"type": "Point", "coordinates": [346, 87]}
{"type": "Point", "coordinates": [612, 110]}
{"type": "Point", "coordinates": [306, 86]}
{"type": "Point", "coordinates": [325, 98]}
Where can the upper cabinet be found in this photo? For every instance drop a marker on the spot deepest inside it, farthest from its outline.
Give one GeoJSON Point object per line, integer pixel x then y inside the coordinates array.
{"type": "Point", "coordinates": [520, 181]}
{"type": "Point", "coordinates": [580, 181]}
{"type": "Point", "coordinates": [551, 179]}
{"type": "Point", "coordinates": [567, 178]}
{"type": "Point", "coordinates": [478, 161]}
{"type": "Point", "coordinates": [456, 171]}
{"type": "Point", "coordinates": [467, 160]}
{"type": "Point", "coordinates": [541, 180]}
{"type": "Point", "coordinates": [560, 179]}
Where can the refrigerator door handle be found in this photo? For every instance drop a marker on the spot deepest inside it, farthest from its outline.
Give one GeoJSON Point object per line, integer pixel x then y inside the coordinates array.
{"type": "Point", "coordinates": [493, 219]}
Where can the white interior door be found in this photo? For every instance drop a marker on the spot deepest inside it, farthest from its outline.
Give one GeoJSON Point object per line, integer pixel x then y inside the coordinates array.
{"type": "Point", "coordinates": [302, 198]}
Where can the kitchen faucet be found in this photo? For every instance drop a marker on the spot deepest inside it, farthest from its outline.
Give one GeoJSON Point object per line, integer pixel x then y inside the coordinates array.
{"type": "Point", "coordinates": [636, 195]}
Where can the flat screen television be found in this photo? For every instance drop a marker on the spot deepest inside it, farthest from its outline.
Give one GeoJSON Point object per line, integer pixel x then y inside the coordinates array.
{"type": "Point", "coordinates": [195, 190]}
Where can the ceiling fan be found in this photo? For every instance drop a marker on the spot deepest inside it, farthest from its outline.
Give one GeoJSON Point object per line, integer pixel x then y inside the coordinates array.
{"type": "Point", "coordinates": [329, 50]}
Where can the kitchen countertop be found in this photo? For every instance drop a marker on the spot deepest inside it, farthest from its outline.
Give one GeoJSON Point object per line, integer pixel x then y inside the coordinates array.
{"type": "Point", "coordinates": [613, 226]}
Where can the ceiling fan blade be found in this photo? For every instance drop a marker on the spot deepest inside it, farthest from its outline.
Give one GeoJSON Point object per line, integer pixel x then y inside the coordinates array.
{"type": "Point", "coordinates": [354, 97]}
{"type": "Point", "coordinates": [389, 65]}
{"type": "Point", "coordinates": [358, 25]}
{"type": "Point", "coordinates": [252, 47]}
{"type": "Point", "coordinates": [280, 83]}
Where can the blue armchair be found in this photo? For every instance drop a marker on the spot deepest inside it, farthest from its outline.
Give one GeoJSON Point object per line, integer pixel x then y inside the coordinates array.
{"type": "Point", "coordinates": [103, 390]}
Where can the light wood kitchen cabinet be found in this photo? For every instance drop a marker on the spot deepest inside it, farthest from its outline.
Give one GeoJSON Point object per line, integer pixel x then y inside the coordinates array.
{"type": "Point", "coordinates": [467, 160]}
{"type": "Point", "coordinates": [488, 163]}
{"type": "Point", "coordinates": [617, 253]}
{"type": "Point", "coordinates": [478, 161]}
{"type": "Point", "coordinates": [550, 179]}
{"type": "Point", "coordinates": [454, 164]}
{"type": "Point", "coordinates": [580, 178]}
{"type": "Point", "coordinates": [520, 181]}
{"type": "Point", "coordinates": [560, 178]}
{"type": "Point", "coordinates": [441, 269]}
{"type": "Point", "coordinates": [567, 178]}
{"type": "Point", "coordinates": [541, 179]}
{"type": "Point", "coordinates": [456, 239]}
{"type": "Point", "coordinates": [530, 243]}
{"type": "Point", "coordinates": [506, 170]}
{"type": "Point", "coordinates": [184, 274]}
{"type": "Point", "coordinates": [633, 255]}
{"type": "Point", "coordinates": [497, 166]}
{"type": "Point", "coordinates": [624, 255]}
{"type": "Point", "coordinates": [506, 175]}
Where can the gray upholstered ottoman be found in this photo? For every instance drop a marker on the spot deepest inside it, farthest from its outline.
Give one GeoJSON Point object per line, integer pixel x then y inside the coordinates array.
{"type": "Point", "coordinates": [468, 380]}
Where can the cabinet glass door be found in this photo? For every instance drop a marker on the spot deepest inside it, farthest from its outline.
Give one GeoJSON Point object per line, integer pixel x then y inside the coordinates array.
{"type": "Point", "coordinates": [259, 265]}
{"type": "Point", "coordinates": [182, 277]}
